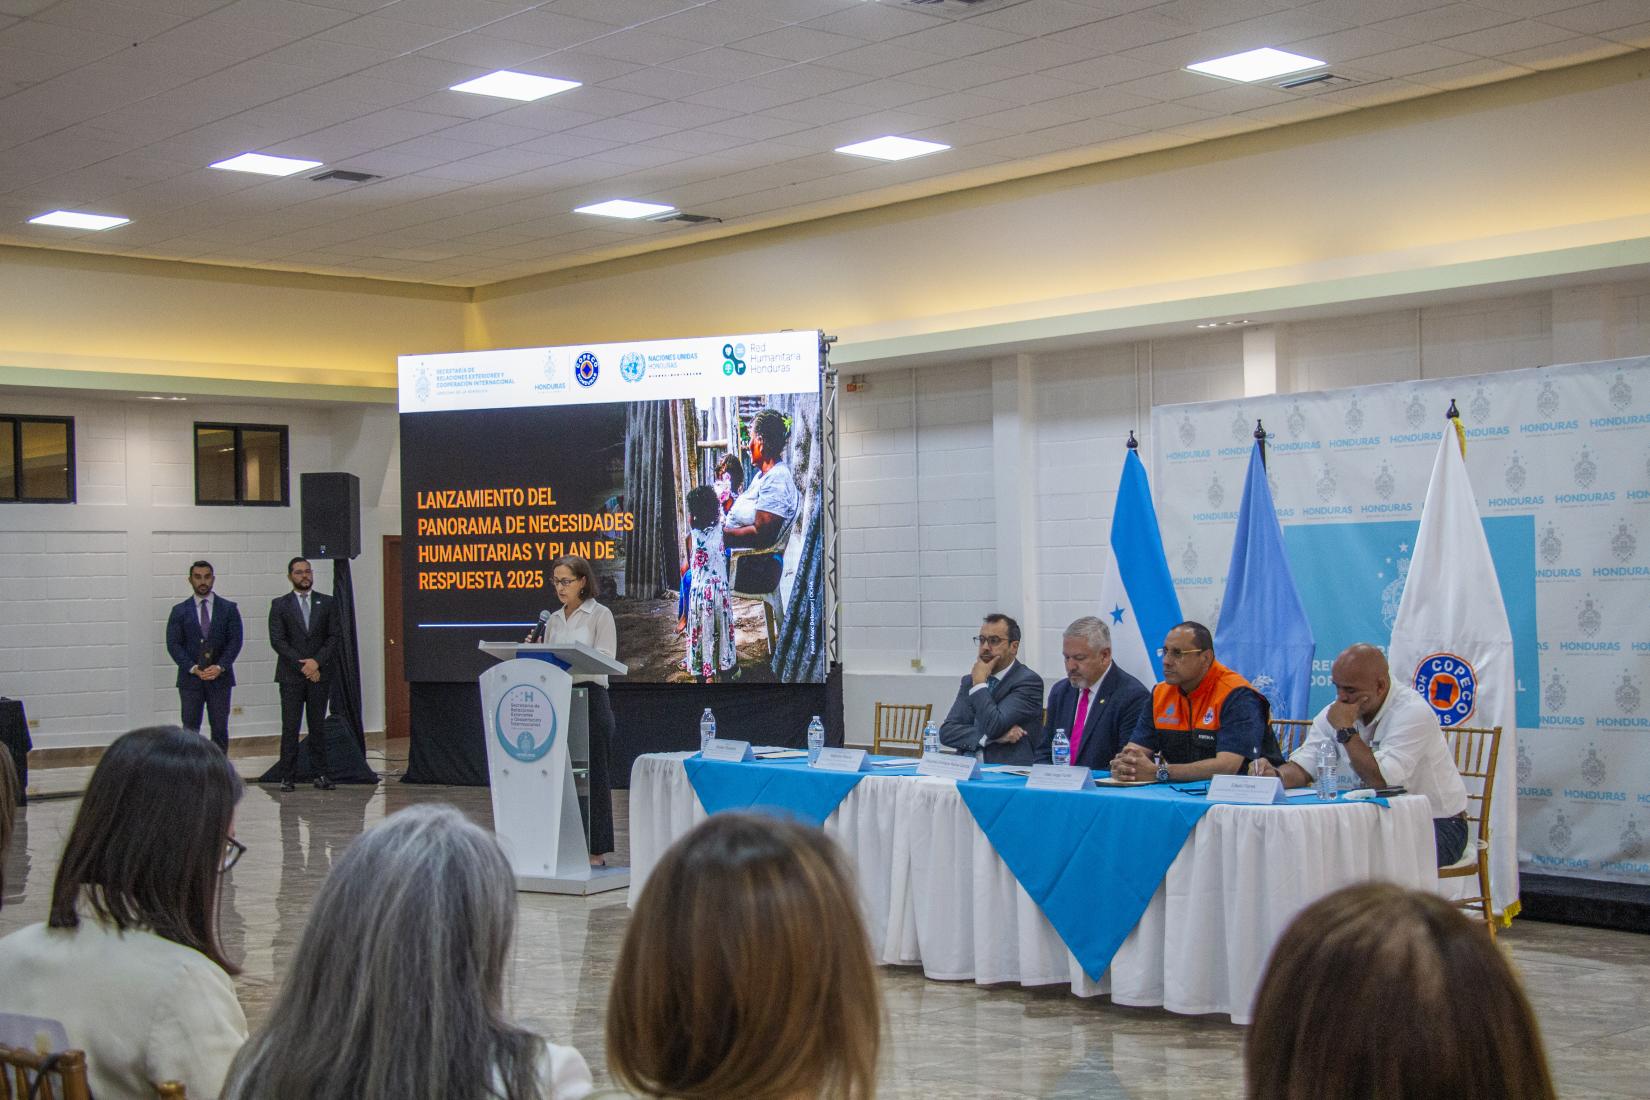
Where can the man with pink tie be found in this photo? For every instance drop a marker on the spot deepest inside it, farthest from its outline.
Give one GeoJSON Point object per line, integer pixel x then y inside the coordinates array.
{"type": "Point", "coordinates": [1097, 704]}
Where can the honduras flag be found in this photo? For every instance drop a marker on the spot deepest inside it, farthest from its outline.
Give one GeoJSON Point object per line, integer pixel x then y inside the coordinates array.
{"type": "Point", "coordinates": [1263, 632]}
{"type": "Point", "coordinates": [1137, 597]}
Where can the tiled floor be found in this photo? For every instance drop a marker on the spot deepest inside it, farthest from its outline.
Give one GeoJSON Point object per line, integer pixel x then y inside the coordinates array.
{"type": "Point", "coordinates": [945, 1039]}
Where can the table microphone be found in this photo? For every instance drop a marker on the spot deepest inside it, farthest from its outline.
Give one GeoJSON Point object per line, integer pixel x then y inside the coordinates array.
{"type": "Point", "coordinates": [543, 624]}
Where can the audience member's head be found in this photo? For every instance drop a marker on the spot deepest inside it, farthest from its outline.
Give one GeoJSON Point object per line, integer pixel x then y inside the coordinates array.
{"type": "Point", "coordinates": [397, 985]}
{"type": "Point", "coordinates": [704, 510]}
{"type": "Point", "coordinates": [746, 971]}
{"type": "Point", "coordinates": [769, 435]}
{"type": "Point", "coordinates": [10, 795]}
{"type": "Point", "coordinates": [150, 842]}
{"type": "Point", "coordinates": [1389, 994]}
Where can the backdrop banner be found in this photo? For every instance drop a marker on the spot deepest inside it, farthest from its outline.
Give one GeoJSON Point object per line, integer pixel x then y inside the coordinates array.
{"type": "Point", "coordinates": [1559, 459]}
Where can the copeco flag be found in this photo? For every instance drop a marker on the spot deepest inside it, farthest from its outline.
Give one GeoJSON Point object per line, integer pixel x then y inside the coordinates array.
{"type": "Point", "coordinates": [1137, 596]}
{"type": "Point", "coordinates": [1451, 642]}
{"type": "Point", "coordinates": [1263, 631]}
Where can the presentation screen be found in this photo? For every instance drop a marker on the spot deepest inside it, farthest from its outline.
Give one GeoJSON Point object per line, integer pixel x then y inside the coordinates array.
{"type": "Point", "coordinates": [687, 473]}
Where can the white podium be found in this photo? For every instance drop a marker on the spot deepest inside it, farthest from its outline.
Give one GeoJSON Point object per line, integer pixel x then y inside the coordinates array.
{"type": "Point", "coordinates": [534, 719]}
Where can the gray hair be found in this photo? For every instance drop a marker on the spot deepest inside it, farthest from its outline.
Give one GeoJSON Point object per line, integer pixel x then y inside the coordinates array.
{"type": "Point", "coordinates": [1092, 630]}
{"type": "Point", "coordinates": [396, 988]}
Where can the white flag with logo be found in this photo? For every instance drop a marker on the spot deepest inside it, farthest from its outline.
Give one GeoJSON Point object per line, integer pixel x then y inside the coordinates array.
{"type": "Point", "coordinates": [1451, 642]}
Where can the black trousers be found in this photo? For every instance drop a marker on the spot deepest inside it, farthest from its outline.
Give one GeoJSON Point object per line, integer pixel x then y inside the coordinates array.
{"type": "Point", "coordinates": [297, 700]}
{"type": "Point", "coordinates": [600, 833]}
{"type": "Point", "coordinates": [212, 696]}
{"type": "Point", "coordinates": [1451, 836]}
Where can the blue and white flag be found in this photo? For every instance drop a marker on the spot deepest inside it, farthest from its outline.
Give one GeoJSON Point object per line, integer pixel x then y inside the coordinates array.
{"type": "Point", "coordinates": [1137, 597]}
{"type": "Point", "coordinates": [1263, 632]}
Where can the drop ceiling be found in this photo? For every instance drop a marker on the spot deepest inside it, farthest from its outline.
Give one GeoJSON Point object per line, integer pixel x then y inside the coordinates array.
{"type": "Point", "coordinates": [730, 109]}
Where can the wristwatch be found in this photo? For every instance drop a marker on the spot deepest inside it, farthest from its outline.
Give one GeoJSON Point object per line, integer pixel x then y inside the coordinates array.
{"type": "Point", "coordinates": [1162, 772]}
{"type": "Point", "coordinates": [1345, 734]}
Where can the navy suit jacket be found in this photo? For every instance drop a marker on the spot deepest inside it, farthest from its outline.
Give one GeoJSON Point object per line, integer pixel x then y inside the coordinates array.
{"type": "Point", "coordinates": [184, 643]}
{"type": "Point", "coordinates": [293, 644]}
{"type": "Point", "coordinates": [1017, 700]}
{"type": "Point", "coordinates": [1114, 710]}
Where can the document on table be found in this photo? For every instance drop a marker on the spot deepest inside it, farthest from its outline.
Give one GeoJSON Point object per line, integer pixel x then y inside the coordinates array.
{"type": "Point", "coordinates": [1008, 769]}
{"type": "Point", "coordinates": [781, 754]}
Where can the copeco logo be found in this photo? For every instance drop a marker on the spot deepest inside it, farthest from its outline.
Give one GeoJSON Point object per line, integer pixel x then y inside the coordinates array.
{"type": "Point", "coordinates": [525, 723]}
{"type": "Point", "coordinates": [1621, 393]}
{"type": "Point", "coordinates": [632, 365]}
{"type": "Point", "coordinates": [1449, 685]}
{"type": "Point", "coordinates": [733, 360]}
{"type": "Point", "coordinates": [586, 369]}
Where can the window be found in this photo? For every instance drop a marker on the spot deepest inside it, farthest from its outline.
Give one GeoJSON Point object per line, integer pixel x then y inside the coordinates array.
{"type": "Point", "coordinates": [241, 464]}
{"type": "Point", "coordinates": [37, 459]}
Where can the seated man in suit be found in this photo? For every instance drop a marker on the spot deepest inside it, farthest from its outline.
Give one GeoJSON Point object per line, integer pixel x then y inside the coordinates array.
{"type": "Point", "coordinates": [1097, 704]}
{"type": "Point", "coordinates": [998, 701]}
{"type": "Point", "coordinates": [1204, 719]}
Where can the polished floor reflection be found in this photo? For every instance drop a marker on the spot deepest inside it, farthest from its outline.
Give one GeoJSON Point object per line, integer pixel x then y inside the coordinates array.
{"type": "Point", "coordinates": [945, 1039]}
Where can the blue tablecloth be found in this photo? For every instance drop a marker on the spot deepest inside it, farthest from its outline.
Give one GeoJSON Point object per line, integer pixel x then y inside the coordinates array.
{"type": "Point", "coordinates": [787, 787]}
{"type": "Point", "coordinates": [1091, 860]}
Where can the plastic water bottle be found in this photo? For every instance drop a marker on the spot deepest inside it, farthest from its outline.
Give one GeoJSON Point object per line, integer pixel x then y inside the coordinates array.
{"type": "Point", "coordinates": [1062, 748]}
{"type": "Point", "coordinates": [707, 729]}
{"type": "Point", "coordinates": [816, 738]}
{"type": "Point", "coordinates": [930, 737]}
{"type": "Point", "coordinates": [1329, 757]}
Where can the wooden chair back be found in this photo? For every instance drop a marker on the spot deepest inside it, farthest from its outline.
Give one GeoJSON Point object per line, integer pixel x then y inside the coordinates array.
{"type": "Point", "coordinates": [1476, 749]}
{"type": "Point", "coordinates": [1291, 733]}
{"type": "Point", "coordinates": [897, 729]}
{"type": "Point", "coordinates": [59, 1076]}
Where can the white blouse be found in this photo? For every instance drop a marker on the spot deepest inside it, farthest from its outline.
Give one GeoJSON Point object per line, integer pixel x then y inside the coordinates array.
{"type": "Point", "coordinates": [591, 624]}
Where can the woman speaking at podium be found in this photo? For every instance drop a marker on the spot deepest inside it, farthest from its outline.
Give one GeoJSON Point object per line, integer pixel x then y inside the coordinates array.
{"type": "Point", "coordinates": [582, 619]}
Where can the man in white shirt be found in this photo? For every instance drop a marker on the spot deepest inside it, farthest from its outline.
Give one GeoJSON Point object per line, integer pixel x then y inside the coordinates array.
{"type": "Point", "coordinates": [1385, 738]}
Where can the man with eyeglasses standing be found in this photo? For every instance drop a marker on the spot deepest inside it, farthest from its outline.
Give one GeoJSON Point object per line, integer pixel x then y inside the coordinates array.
{"type": "Point", "coordinates": [998, 701]}
{"type": "Point", "coordinates": [1204, 719]}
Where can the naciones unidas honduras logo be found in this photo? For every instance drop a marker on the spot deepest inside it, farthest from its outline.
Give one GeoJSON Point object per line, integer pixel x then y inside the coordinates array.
{"type": "Point", "coordinates": [586, 368]}
{"type": "Point", "coordinates": [1449, 685]}
{"type": "Point", "coordinates": [632, 365]}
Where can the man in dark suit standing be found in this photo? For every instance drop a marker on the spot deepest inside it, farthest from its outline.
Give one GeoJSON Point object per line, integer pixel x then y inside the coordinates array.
{"type": "Point", "coordinates": [997, 701]}
{"type": "Point", "coordinates": [203, 637]}
{"type": "Point", "coordinates": [1097, 704]}
{"type": "Point", "coordinates": [303, 632]}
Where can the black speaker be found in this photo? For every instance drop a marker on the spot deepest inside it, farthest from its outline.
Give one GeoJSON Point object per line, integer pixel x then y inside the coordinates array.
{"type": "Point", "coordinates": [330, 510]}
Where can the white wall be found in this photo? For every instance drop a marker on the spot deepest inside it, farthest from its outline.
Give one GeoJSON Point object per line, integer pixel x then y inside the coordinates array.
{"type": "Point", "coordinates": [86, 588]}
{"type": "Point", "coordinates": [899, 607]}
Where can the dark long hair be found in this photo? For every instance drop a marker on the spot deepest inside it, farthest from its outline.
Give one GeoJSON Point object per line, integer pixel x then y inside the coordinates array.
{"type": "Point", "coordinates": [147, 846]}
{"type": "Point", "coordinates": [694, 1013]}
{"type": "Point", "coordinates": [1378, 992]}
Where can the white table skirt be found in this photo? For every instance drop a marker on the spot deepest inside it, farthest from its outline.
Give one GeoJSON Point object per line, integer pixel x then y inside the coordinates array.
{"type": "Point", "coordinates": [936, 893]}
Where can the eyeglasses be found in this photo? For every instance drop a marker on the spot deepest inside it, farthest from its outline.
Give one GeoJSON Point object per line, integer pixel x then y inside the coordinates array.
{"type": "Point", "coordinates": [563, 582]}
{"type": "Point", "coordinates": [233, 850]}
{"type": "Point", "coordinates": [1170, 651]}
{"type": "Point", "coordinates": [986, 639]}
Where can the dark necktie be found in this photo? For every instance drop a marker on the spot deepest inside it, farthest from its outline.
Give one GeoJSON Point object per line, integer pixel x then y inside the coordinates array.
{"type": "Point", "coordinates": [303, 605]}
{"type": "Point", "coordinates": [206, 617]}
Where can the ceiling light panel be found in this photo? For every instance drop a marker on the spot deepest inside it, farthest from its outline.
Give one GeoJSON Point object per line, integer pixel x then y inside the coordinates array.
{"type": "Point", "coordinates": [892, 148]}
{"type": "Point", "coordinates": [1252, 65]}
{"type": "Point", "coordinates": [72, 219]}
{"type": "Point", "coordinates": [262, 164]}
{"type": "Point", "coordinates": [624, 208]}
{"type": "Point", "coordinates": [505, 84]}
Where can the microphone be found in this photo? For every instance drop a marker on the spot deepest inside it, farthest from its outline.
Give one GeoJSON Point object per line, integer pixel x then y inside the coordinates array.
{"type": "Point", "coordinates": [543, 624]}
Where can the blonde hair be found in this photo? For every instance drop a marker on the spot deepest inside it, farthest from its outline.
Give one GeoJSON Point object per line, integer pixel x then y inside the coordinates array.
{"type": "Point", "coordinates": [1380, 993]}
{"type": "Point", "coordinates": [746, 971]}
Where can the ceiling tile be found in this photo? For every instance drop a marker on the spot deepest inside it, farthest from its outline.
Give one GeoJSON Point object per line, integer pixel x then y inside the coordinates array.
{"type": "Point", "coordinates": [881, 59]}
{"type": "Point", "coordinates": [875, 22]}
{"type": "Point", "coordinates": [1413, 59]}
{"type": "Point", "coordinates": [956, 106]}
{"type": "Point", "coordinates": [1025, 119]}
{"type": "Point", "coordinates": [277, 16]}
{"type": "Point", "coordinates": [807, 79]}
{"type": "Point", "coordinates": [389, 35]}
{"type": "Point", "coordinates": [131, 24]}
{"type": "Point", "coordinates": [1110, 69]}
{"type": "Point", "coordinates": [484, 50]}
{"type": "Point", "coordinates": [1043, 17]}
{"type": "Point", "coordinates": [695, 141]}
{"type": "Point", "coordinates": [662, 83]}
{"type": "Point", "coordinates": [551, 29]}
{"type": "Point", "coordinates": [1572, 52]}
{"type": "Point", "coordinates": [1159, 115]}
{"type": "Point", "coordinates": [800, 43]}
{"type": "Point", "coordinates": [746, 96]}
{"type": "Point", "coordinates": [959, 39]}
{"type": "Point", "coordinates": [959, 75]}
{"type": "Point", "coordinates": [1175, 84]}
{"type": "Point", "coordinates": [620, 129]}
{"type": "Point", "coordinates": [1607, 15]}
{"type": "Point", "coordinates": [728, 63]}
{"type": "Point", "coordinates": [1236, 98]}
{"type": "Point", "coordinates": [1637, 35]}
{"type": "Point", "coordinates": [1124, 32]}
{"type": "Point", "coordinates": [1029, 89]}
{"type": "Point", "coordinates": [1443, 22]}
{"type": "Point", "coordinates": [1468, 75]}
{"type": "Point", "coordinates": [641, 46]}
{"type": "Point", "coordinates": [883, 93]}
{"type": "Point", "coordinates": [712, 26]}
{"type": "Point", "coordinates": [78, 43]}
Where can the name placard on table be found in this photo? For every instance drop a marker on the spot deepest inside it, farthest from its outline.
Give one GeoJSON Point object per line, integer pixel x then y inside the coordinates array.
{"type": "Point", "coordinates": [949, 765]}
{"type": "Point", "coordinates": [732, 752]}
{"type": "Point", "coordinates": [1258, 790]}
{"type": "Point", "coordinates": [842, 760]}
{"type": "Point", "coordinates": [1057, 777]}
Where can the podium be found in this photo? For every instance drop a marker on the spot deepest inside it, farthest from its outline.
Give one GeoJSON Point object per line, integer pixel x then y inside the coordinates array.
{"type": "Point", "coordinates": [536, 723]}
